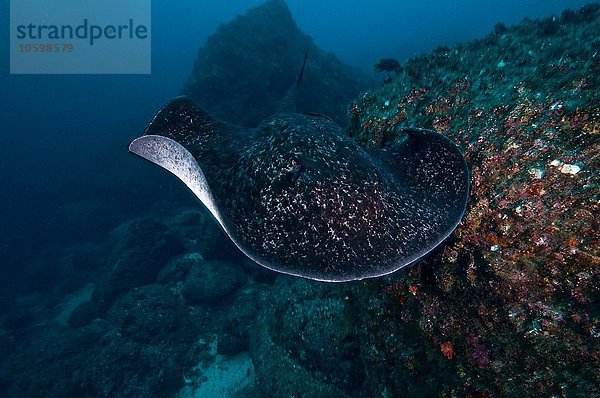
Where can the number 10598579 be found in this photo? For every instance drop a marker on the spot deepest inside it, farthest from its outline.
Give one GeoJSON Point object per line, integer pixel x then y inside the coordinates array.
{"type": "Point", "coordinates": [46, 48]}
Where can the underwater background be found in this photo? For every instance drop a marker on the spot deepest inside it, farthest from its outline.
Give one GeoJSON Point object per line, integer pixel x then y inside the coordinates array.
{"type": "Point", "coordinates": [114, 282]}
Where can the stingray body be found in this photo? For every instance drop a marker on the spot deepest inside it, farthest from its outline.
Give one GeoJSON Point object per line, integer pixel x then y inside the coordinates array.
{"type": "Point", "coordinates": [298, 196]}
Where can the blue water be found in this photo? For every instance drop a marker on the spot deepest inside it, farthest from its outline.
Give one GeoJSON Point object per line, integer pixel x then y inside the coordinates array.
{"type": "Point", "coordinates": [55, 127]}
{"type": "Point", "coordinates": [64, 137]}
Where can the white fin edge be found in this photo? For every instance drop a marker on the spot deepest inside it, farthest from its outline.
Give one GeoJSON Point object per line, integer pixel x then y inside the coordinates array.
{"type": "Point", "coordinates": [173, 157]}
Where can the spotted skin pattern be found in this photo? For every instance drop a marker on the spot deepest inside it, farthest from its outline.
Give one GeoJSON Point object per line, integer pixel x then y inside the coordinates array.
{"type": "Point", "coordinates": [300, 197]}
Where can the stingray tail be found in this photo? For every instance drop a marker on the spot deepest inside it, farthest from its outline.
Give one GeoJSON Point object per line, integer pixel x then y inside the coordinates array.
{"type": "Point", "coordinates": [288, 104]}
{"type": "Point", "coordinates": [301, 74]}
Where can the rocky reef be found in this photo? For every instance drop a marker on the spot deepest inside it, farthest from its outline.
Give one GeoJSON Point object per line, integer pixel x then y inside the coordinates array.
{"type": "Point", "coordinates": [161, 298]}
{"type": "Point", "coordinates": [507, 307]}
{"type": "Point", "coordinates": [244, 70]}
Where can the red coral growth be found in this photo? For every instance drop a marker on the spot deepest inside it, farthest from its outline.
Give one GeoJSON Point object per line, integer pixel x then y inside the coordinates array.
{"type": "Point", "coordinates": [447, 350]}
{"type": "Point", "coordinates": [517, 287]}
{"type": "Point", "coordinates": [478, 353]}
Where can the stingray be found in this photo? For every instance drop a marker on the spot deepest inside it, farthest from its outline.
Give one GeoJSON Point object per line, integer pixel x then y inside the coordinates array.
{"type": "Point", "coordinates": [299, 196]}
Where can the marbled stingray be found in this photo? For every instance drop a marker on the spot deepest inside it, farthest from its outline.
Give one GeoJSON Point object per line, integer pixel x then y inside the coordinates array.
{"type": "Point", "coordinates": [298, 196]}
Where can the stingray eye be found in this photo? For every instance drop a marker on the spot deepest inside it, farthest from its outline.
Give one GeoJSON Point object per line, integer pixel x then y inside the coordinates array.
{"type": "Point", "coordinates": [293, 171]}
{"type": "Point", "coordinates": [290, 172]}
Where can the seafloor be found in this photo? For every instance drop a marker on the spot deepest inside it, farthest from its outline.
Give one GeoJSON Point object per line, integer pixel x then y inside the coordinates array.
{"type": "Point", "coordinates": [509, 306]}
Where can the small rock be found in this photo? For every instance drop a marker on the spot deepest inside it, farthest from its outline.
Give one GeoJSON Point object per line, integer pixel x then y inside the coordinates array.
{"type": "Point", "coordinates": [536, 173]}
{"type": "Point", "coordinates": [570, 169]}
{"type": "Point", "coordinates": [212, 281]}
{"type": "Point", "coordinates": [178, 268]}
{"type": "Point", "coordinates": [83, 314]}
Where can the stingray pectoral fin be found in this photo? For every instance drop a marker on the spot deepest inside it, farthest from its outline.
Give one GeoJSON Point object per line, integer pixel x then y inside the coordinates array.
{"type": "Point", "coordinates": [173, 157]}
{"type": "Point", "coordinates": [433, 170]}
{"type": "Point", "coordinates": [188, 124]}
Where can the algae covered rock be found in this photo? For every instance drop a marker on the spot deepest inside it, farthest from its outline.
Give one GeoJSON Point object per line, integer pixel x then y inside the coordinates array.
{"type": "Point", "coordinates": [509, 306]}
{"type": "Point", "coordinates": [176, 269]}
{"type": "Point", "coordinates": [238, 323]}
{"type": "Point", "coordinates": [143, 249]}
{"type": "Point", "coordinates": [211, 281]}
{"type": "Point", "coordinates": [304, 344]}
{"type": "Point", "coordinates": [149, 314]}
